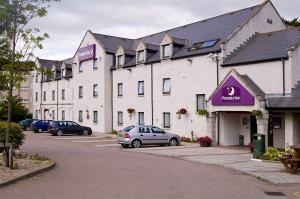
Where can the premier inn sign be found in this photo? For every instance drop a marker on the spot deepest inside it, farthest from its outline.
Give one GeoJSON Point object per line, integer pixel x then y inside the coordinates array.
{"type": "Point", "coordinates": [232, 93]}
{"type": "Point", "coordinates": [87, 52]}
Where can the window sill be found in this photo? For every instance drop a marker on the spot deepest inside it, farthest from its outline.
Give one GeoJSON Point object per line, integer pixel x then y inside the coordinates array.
{"type": "Point", "coordinates": [141, 95]}
{"type": "Point", "coordinates": [120, 124]}
{"type": "Point", "coordinates": [167, 128]}
{"type": "Point", "coordinates": [166, 94]}
{"type": "Point", "coordinates": [120, 96]}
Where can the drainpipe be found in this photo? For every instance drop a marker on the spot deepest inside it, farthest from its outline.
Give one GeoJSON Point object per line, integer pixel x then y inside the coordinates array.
{"type": "Point", "coordinates": [283, 77]}
{"type": "Point", "coordinates": [41, 96]}
{"type": "Point", "coordinates": [152, 94]}
{"type": "Point", "coordinates": [217, 61]}
{"type": "Point", "coordinates": [218, 128]}
{"type": "Point", "coordinates": [111, 99]}
{"type": "Point", "coordinates": [57, 99]}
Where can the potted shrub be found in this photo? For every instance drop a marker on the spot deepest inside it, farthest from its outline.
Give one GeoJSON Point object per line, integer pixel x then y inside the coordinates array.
{"type": "Point", "coordinates": [257, 113]}
{"type": "Point", "coordinates": [205, 141]}
{"type": "Point", "coordinates": [130, 111]}
{"type": "Point", "coordinates": [202, 112]}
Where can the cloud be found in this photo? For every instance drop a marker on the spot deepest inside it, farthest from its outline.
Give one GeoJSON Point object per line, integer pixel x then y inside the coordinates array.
{"type": "Point", "coordinates": [68, 20]}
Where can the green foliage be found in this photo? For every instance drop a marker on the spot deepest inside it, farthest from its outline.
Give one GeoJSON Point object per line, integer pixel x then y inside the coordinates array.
{"type": "Point", "coordinates": [289, 151]}
{"type": "Point", "coordinates": [293, 22]}
{"type": "Point", "coordinates": [114, 132]}
{"type": "Point", "coordinates": [19, 111]}
{"type": "Point", "coordinates": [272, 154]}
{"type": "Point", "coordinates": [257, 113]}
{"type": "Point", "coordinates": [202, 112]}
{"type": "Point", "coordinates": [38, 157]}
{"type": "Point", "coordinates": [16, 134]}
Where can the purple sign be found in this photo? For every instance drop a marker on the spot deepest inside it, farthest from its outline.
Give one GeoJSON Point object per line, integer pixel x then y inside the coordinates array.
{"type": "Point", "coordinates": [87, 52]}
{"type": "Point", "coordinates": [232, 93]}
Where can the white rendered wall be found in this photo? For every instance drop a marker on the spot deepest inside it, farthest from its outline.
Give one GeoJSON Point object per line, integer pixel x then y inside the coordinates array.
{"type": "Point", "coordinates": [295, 62]}
{"type": "Point", "coordinates": [257, 23]}
{"type": "Point", "coordinates": [279, 134]}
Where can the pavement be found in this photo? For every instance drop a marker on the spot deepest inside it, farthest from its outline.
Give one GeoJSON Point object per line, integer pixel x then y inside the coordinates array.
{"type": "Point", "coordinates": [96, 167]}
{"type": "Point", "coordinates": [233, 158]}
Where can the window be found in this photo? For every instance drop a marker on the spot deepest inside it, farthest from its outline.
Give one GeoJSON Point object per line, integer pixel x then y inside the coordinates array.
{"type": "Point", "coordinates": [63, 94]}
{"type": "Point", "coordinates": [167, 120]}
{"type": "Point", "coordinates": [120, 60]}
{"type": "Point", "coordinates": [141, 88]}
{"type": "Point", "coordinates": [141, 118]}
{"type": "Point", "coordinates": [53, 115]}
{"type": "Point", "coordinates": [166, 51]}
{"type": "Point", "coordinates": [80, 117]}
{"type": "Point", "coordinates": [120, 89]}
{"type": "Point", "coordinates": [95, 90]}
{"type": "Point", "coordinates": [63, 115]}
{"type": "Point", "coordinates": [200, 101]}
{"type": "Point", "coordinates": [80, 67]}
{"type": "Point", "coordinates": [36, 78]}
{"type": "Point", "coordinates": [80, 93]}
{"type": "Point", "coordinates": [205, 44]}
{"type": "Point", "coordinates": [36, 96]}
{"type": "Point", "coordinates": [141, 56]}
{"type": "Point", "coordinates": [269, 21]}
{"type": "Point", "coordinates": [209, 43]}
{"type": "Point", "coordinates": [120, 117]}
{"type": "Point", "coordinates": [53, 95]}
{"type": "Point", "coordinates": [166, 86]}
{"type": "Point", "coordinates": [157, 130]}
{"type": "Point", "coordinates": [44, 96]}
{"type": "Point", "coordinates": [36, 114]}
{"type": "Point", "coordinates": [95, 116]}
{"type": "Point", "coordinates": [95, 67]}
{"type": "Point", "coordinates": [63, 72]}
{"type": "Point", "coordinates": [144, 129]}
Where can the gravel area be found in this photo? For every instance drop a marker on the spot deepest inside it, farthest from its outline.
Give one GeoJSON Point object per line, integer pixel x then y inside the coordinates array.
{"type": "Point", "coordinates": [22, 166]}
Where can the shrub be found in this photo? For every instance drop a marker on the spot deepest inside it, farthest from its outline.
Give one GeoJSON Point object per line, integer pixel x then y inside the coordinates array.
{"type": "Point", "coordinates": [257, 113]}
{"type": "Point", "coordinates": [272, 154]}
{"type": "Point", "coordinates": [202, 112]}
{"type": "Point", "coordinates": [114, 132]}
{"type": "Point", "coordinates": [205, 139]}
{"type": "Point", "coordinates": [186, 139]}
{"type": "Point", "coordinates": [38, 157]}
{"type": "Point", "coordinates": [16, 135]}
{"type": "Point", "coordinates": [289, 151]}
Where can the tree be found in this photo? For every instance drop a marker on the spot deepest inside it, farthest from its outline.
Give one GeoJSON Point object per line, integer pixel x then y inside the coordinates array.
{"type": "Point", "coordinates": [19, 111]}
{"type": "Point", "coordinates": [18, 41]}
{"type": "Point", "coordinates": [294, 22]}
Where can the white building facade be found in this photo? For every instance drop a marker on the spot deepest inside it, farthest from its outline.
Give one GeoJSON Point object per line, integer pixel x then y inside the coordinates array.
{"type": "Point", "coordinates": [164, 78]}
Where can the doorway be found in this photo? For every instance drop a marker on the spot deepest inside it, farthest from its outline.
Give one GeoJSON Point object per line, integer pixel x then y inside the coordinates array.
{"type": "Point", "coordinates": [253, 126]}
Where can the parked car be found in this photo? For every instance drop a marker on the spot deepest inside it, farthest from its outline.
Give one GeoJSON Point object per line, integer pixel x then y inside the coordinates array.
{"type": "Point", "coordinates": [41, 125]}
{"type": "Point", "coordinates": [136, 136]}
{"type": "Point", "coordinates": [68, 127]}
{"type": "Point", "coordinates": [26, 124]}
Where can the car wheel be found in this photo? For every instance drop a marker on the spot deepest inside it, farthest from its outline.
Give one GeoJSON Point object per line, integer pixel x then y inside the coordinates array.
{"type": "Point", "coordinates": [85, 132]}
{"type": "Point", "coordinates": [125, 145]}
{"type": "Point", "coordinates": [59, 133]}
{"type": "Point", "coordinates": [173, 142]}
{"type": "Point", "coordinates": [136, 144]}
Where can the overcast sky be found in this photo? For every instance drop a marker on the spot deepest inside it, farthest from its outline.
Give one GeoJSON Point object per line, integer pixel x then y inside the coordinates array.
{"type": "Point", "coordinates": [68, 20]}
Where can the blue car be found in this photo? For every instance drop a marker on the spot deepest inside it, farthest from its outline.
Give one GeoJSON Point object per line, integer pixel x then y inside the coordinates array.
{"type": "Point", "coordinates": [41, 125]}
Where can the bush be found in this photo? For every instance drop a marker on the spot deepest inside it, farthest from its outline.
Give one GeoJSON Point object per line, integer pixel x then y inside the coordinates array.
{"type": "Point", "coordinates": [205, 139]}
{"type": "Point", "coordinates": [272, 154]}
{"type": "Point", "coordinates": [114, 132]}
{"type": "Point", "coordinates": [38, 157]}
{"type": "Point", "coordinates": [16, 135]}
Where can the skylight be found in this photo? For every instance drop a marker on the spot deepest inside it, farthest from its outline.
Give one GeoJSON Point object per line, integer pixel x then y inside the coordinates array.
{"type": "Point", "coordinates": [205, 44]}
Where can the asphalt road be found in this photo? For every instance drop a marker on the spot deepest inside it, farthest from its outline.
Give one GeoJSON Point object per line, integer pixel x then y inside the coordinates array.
{"type": "Point", "coordinates": [84, 171]}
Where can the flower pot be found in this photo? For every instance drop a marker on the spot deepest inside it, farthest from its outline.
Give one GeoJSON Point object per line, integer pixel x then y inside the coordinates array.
{"type": "Point", "coordinates": [205, 144]}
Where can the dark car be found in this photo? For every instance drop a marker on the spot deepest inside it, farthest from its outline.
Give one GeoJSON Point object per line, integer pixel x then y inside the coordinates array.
{"type": "Point", "coordinates": [41, 125]}
{"type": "Point", "coordinates": [26, 124]}
{"type": "Point", "coordinates": [68, 127]}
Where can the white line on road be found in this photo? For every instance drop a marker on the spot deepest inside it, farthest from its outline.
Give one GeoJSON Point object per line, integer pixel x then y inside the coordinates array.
{"type": "Point", "coordinates": [105, 145]}
{"type": "Point", "coordinates": [77, 138]}
{"type": "Point", "coordinates": [91, 141]}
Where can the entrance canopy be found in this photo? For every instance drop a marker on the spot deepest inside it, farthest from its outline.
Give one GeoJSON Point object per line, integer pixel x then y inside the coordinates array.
{"type": "Point", "coordinates": [236, 93]}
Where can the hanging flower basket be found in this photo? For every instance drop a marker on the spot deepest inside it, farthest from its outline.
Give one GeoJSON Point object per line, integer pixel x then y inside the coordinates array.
{"type": "Point", "coordinates": [257, 113]}
{"type": "Point", "coordinates": [183, 111]}
{"type": "Point", "coordinates": [130, 111]}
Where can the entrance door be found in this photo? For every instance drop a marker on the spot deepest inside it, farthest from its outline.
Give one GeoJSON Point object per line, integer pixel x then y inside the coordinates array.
{"type": "Point", "coordinates": [270, 131]}
{"type": "Point", "coordinates": [253, 126]}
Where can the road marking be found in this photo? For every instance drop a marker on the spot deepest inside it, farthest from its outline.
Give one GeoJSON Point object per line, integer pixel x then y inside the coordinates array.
{"type": "Point", "coordinates": [105, 145]}
{"type": "Point", "coordinates": [91, 141]}
{"type": "Point", "coordinates": [76, 138]}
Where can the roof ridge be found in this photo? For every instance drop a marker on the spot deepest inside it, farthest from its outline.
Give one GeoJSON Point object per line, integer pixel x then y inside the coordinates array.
{"type": "Point", "coordinates": [282, 30]}
{"type": "Point", "coordinates": [105, 35]}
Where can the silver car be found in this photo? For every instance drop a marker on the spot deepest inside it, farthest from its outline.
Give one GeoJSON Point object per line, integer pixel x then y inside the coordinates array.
{"type": "Point", "coordinates": [136, 136]}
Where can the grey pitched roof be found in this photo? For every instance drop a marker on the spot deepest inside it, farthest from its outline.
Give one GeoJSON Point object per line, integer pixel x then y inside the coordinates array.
{"type": "Point", "coordinates": [252, 86]}
{"type": "Point", "coordinates": [58, 65]}
{"type": "Point", "coordinates": [287, 102]}
{"type": "Point", "coordinates": [47, 63]}
{"type": "Point", "coordinates": [216, 28]}
{"type": "Point", "coordinates": [266, 46]}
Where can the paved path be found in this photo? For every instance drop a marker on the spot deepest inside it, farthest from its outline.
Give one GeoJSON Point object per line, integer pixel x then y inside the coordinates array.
{"type": "Point", "coordinates": [229, 158]}
{"type": "Point", "coordinates": [85, 171]}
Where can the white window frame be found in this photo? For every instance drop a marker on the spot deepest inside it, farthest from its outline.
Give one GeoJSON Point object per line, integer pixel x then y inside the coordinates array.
{"type": "Point", "coordinates": [80, 68]}
{"type": "Point", "coordinates": [200, 101]}
{"type": "Point", "coordinates": [53, 95]}
{"type": "Point", "coordinates": [80, 92]}
{"type": "Point", "coordinates": [95, 64]}
{"type": "Point", "coordinates": [141, 56]}
{"type": "Point", "coordinates": [120, 89]}
{"type": "Point", "coordinates": [80, 116]}
{"type": "Point", "coordinates": [141, 88]}
{"type": "Point", "coordinates": [44, 96]}
{"type": "Point", "coordinates": [166, 51]}
{"type": "Point", "coordinates": [63, 115]}
{"type": "Point", "coordinates": [120, 118]}
{"type": "Point", "coordinates": [95, 90]}
{"type": "Point", "coordinates": [166, 123]}
{"type": "Point", "coordinates": [95, 116]}
{"type": "Point", "coordinates": [141, 118]}
{"type": "Point", "coordinates": [120, 60]}
{"type": "Point", "coordinates": [166, 87]}
{"type": "Point", "coordinates": [53, 115]}
{"type": "Point", "coordinates": [36, 96]}
{"type": "Point", "coordinates": [63, 94]}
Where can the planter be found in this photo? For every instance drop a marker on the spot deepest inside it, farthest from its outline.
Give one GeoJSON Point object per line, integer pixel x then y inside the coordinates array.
{"type": "Point", "coordinates": [205, 144]}
{"type": "Point", "coordinates": [288, 156]}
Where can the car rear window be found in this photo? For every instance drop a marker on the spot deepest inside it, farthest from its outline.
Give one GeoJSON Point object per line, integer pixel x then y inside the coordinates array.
{"type": "Point", "coordinates": [127, 129]}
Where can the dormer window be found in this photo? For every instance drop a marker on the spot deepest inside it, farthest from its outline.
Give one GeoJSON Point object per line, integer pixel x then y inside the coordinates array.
{"type": "Point", "coordinates": [166, 51]}
{"type": "Point", "coordinates": [63, 72]}
{"type": "Point", "coordinates": [141, 56]}
{"type": "Point", "coordinates": [120, 60]}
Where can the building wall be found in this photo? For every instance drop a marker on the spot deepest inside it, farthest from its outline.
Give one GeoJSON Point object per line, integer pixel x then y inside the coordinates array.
{"type": "Point", "coordinates": [257, 23]}
{"type": "Point", "coordinates": [295, 62]}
